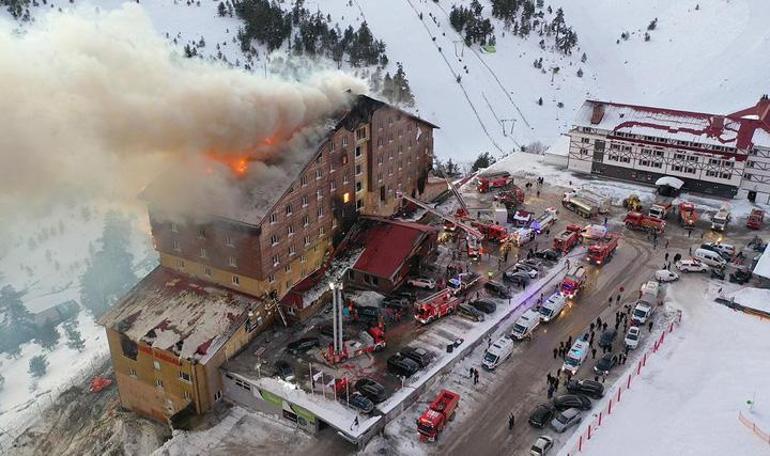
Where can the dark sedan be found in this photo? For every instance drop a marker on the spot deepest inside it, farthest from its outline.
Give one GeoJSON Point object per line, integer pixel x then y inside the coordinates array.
{"type": "Point", "coordinates": [302, 345]}
{"type": "Point", "coordinates": [371, 389]}
{"type": "Point", "coordinates": [605, 364]}
{"type": "Point", "coordinates": [485, 305]}
{"type": "Point", "coordinates": [585, 386]}
{"type": "Point", "coordinates": [542, 415]}
{"type": "Point", "coordinates": [566, 401]}
{"type": "Point", "coordinates": [548, 255]}
{"type": "Point", "coordinates": [607, 338]}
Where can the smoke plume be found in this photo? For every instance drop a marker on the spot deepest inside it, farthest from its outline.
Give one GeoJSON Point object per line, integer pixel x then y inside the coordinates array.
{"type": "Point", "coordinates": [99, 103]}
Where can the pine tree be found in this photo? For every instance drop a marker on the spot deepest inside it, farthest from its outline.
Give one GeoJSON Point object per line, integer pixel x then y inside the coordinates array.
{"type": "Point", "coordinates": [109, 274]}
{"type": "Point", "coordinates": [402, 93]}
{"type": "Point", "coordinates": [484, 160]}
{"type": "Point", "coordinates": [16, 325]}
{"type": "Point", "coordinates": [580, 72]}
{"type": "Point", "coordinates": [47, 336]}
{"type": "Point", "coordinates": [583, 58]}
{"type": "Point", "coordinates": [540, 101]}
{"type": "Point", "coordinates": [38, 366]}
{"type": "Point", "coordinates": [387, 87]}
{"type": "Point", "coordinates": [74, 339]}
{"type": "Point", "coordinates": [222, 10]}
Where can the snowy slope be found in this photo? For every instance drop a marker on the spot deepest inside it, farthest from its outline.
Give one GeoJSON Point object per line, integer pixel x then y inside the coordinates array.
{"type": "Point", "coordinates": [691, 392]}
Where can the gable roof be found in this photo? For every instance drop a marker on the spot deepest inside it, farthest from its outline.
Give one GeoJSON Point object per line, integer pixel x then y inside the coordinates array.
{"type": "Point", "coordinates": [387, 244]}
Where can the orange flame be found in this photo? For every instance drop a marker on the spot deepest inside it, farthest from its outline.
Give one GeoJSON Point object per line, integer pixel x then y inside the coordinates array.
{"type": "Point", "coordinates": [239, 164]}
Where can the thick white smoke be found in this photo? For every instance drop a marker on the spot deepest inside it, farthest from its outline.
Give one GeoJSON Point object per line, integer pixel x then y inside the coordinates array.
{"type": "Point", "coordinates": [98, 102]}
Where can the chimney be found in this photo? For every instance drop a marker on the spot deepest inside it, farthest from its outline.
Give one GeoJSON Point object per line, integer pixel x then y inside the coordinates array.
{"type": "Point", "coordinates": [597, 114]}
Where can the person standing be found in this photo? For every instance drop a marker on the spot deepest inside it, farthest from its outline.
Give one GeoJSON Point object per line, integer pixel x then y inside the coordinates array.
{"type": "Point", "coordinates": [593, 353]}
{"type": "Point", "coordinates": [511, 421]}
{"type": "Point", "coordinates": [555, 352]}
{"type": "Point", "coordinates": [617, 299]}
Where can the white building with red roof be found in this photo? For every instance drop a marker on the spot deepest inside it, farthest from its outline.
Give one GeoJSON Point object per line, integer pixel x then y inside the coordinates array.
{"type": "Point", "coordinates": [718, 154]}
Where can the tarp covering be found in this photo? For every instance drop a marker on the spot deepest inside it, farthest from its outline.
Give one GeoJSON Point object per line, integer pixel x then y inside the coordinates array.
{"type": "Point", "coordinates": [669, 181]}
{"type": "Point", "coordinates": [763, 265]}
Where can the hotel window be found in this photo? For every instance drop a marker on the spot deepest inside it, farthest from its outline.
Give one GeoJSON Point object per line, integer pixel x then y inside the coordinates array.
{"type": "Point", "coordinates": [692, 158]}
{"type": "Point", "coordinates": [359, 204]}
{"type": "Point", "coordinates": [344, 141]}
{"type": "Point", "coordinates": [583, 152]}
{"type": "Point", "coordinates": [676, 168]}
{"type": "Point", "coordinates": [585, 140]}
{"type": "Point", "coordinates": [318, 174]}
{"type": "Point", "coordinates": [379, 142]}
{"type": "Point", "coordinates": [400, 149]}
{"type": "Point", "coordinates": [361, 133]}
{"type": "Point", "coordinates": [659, 153]}
{"type": "Point", "coordinates": [657, 165]}
{"type": "Point", "coordinates": [302, 259]}
{"type": "Point", "coordinates": [180, 264]}
{"type": "Point", "coordinates": [679, 156]}
{"type": "Point", "coordinates": [132, 372]}
{"type": "Point", "coordinates": [273, 218]}
{"type": "Point", "coordinates": [320, 212]}
{"type": "Point", "coordinates": [271, 278]}
{"type": "Point", "coordinates": [287, 268]}
{"type": "Point", "coordinates": [156, 364]}
{"type": "Point", "coordinates": [303, 180]}
{"type": "Point", "coordinates": [358, 151]}
{"type": "Point", "coordinates": [615, 146]}
{"type": "Point", "coordinates": [726, 175]}
{"type": "Point", "coordinates": [292, 250]}
{"type": "Point", "coordinates": [358, 186]}
{"type": "Point", "coordinates": [305, 220]}
{"type": "Point", "coordinates": [321, 231]}
{"type": "Point", "coordinates": [291, 230]}
{"type": "Point", "coordinates": [159, 383]}
{"type": "Point", "coordinates": [359, 170]}
{"type": "Point", "coordinates": [274, 239]}
{"type": "Point", "coordinates": [203, 253]}
{"type": "Point", "coordinates": [626, 148]}
{"type": "Point", "coordinates": [331, 145]}
{"type": "Point", "coordinates": [625, 160]}
{"type": "Point", "coordinates": [689, 170]}
{"type": "Point", "coordinates": [275, 260]}
{"type": "Point", "coordinates": [174, 228]}
{"type": "Point", "coordinates": [186, 395]}
{"type": "Point", "coordinates": [236, 280]}
{"type": "Point", "coordinates": [346, 197]}
{"type": "Point", "coordinates": [175, 244]}
{"type": "Point", "coordinates": [305, 200]}
{"type": "Point", "coordinates": [307, 240]}
{"type": "Point", "coordinates": [344, 159]}
{"type": "Point", "coordinates": [201, 233]}
{"type": "Point", "coordinates": [207, 271]}
{"type": "Point", "coordinates": [333, 185]}
{"type": "Point", "coordinates": [184, 376]}
{"type": "Point", "coordinates": [288, 209]}
{"type": "Point", "coordinates": [319, 194]}
{"type": "Point", "coordinates": [231, 261]}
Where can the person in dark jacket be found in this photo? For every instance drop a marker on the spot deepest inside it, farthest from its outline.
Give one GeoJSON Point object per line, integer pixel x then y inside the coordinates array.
{"type": "Point", "coordinates": [511, 421]}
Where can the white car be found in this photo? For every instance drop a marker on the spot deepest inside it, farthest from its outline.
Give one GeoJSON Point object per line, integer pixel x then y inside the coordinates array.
{"type": "Point", "coordinates": [422, 282]}
{"type": "Point", "coordinates": [542, 446]}
{"type": "Point", "coordinates": [691, 266]}
{"type": "Point", "coordinates": [664, 275]}
{"type": "Point", "coordinates": [632, 337]}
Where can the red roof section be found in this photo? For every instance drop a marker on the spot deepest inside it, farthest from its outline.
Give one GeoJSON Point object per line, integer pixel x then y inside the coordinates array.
{"type": "Point", "coordinates": [387, 244]}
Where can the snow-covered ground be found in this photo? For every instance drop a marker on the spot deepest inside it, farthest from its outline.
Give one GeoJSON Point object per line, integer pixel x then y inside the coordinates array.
{"type": "Point", "coordinates": [49, 273]}
{"type": "Point", "coordinates": [688, 397]}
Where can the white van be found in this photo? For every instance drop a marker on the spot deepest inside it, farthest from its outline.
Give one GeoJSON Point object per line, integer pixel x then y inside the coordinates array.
{"type": "Point", "coordinates": [552, 307]}
{"type": "Point", "coordinates": [497, 353]}
{"type": "Point", "coordinates": [525, 324]}
{"type": "Point", "coordinates": [710, 258]}
{"type": "Point", "coordinates": [650, 292]}
{"type": "Point", "coordinates": [642, 312]}
{"type": "Point", "coordinates": [577, 354]}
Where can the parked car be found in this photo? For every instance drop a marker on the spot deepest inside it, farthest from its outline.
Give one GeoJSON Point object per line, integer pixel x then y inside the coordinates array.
{"type": "Point", "coordinates": [396, 302]}
{"type": "Point", "coordinates": [718, 273]}
{"type": "Point", "coordinates": [632, 337]}
{"type": "Point", "coordinates": [541, 416]}
{"type": "Point", "coordinates": [692, 265]}
{"type": "Point", "coordinates": [284, 370]}
{"type": "Point", "coordinates": [517, 278]}
{"type": "Point", "coordinates": [497, 289]}
{"type": "Point", "coordinates": [401, 366]}
{"type": "Point", "coordinates": [726, 251]}
{"type": "Point", "coordinates": [578, 401]}
{"type": "Point", "coordinates": [529, 268]}
{"type": "Point", "coordinates": [641, 313]}
{"type": "Point", "coordinates": [542, 446]}
{"type": "Point", "coordinates": [471, 313]}
{"type": "Point", "coordinates": [566, 419]}
{"type": "Point", "coordinates": [361, 403]}
{"type": "Point", "coordinates": [302, 345]}
{"type": "Point", "coordinates": [740, 276]}
{"type": "Point", "coordinates": [608, 337]}
{"type": "Point", "coordinates": [548, 255]}
{"type": "Point", "coordinates": [371, 389]}
{"type": "Point", "coordinates": [422, 282]}
{"type": "Point", "coordinates": [418, 354]}
{"type": "Point", "coordinates": [485, 305]}
{"type": "Point", "coordinates": [605, 363]}
{"type": "Point", "coordinates": [664, 275]}
{"type": "Point", "coordinates": [587, 387]}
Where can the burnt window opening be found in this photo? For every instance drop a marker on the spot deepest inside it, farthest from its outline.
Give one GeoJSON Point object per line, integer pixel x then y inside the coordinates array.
{"type": "Point", "coordinates": [129, 347]}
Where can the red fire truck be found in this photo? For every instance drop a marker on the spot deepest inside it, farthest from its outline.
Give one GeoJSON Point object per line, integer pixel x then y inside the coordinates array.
{"type": "Point", "coordinates": [491, 231]}
{"type": "Point", "coordinates": [755, 219]}
{"type": "Point", "coordinates": [371, 340]}
{"type": "Point", "coordinates": [687, 214]}
{"type": "Point", "coordinates": [440, 412]}
{"type": "Point", "coordinates": [435, 306]}
{"type": "Point", "coordinates": [573, 282]}
{"type": "Point", "coordinates": [639, 221]}
{"type": "Point", "coordinates": [567, 239]}
{"type": "Point", "coordinates": [492, 181]}
{"type": "Point", "coordinates": [601, 252]}
{"type": "Point", "coordinates": [511, 198]}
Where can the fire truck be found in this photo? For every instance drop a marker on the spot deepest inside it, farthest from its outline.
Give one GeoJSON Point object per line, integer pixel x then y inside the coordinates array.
{"type": "Point", "coordinates": [545, 221]}
{"type": "Point", "coordinates": [493, 181]}
{"type": "Point", "coordinates": [720, 220]}
{"type": "Point", "coordinates": [660, 210]}
{"type": "Point", "coordinates": [522, 236]}
{"type": "Point", "coordinates": [755, 219]}
{"type": "Point", "coordinates": [520, 218]}
{"type": "Point", "coordinates": [602, 252]}
{"type": "Point", "coordinates": [641, 222]}
{"type": "Point", "coordinates": [512, 198]}
{"type": "Point", "coordinates": [436, 417]}
{"type": "Point", "coordinates": [687, 214]}
{"type": "Point", "coordinates": [491, 231]}
{"type": "Point", "coordinates": [567, 239]}
{"type": "Point", "coordinates": [583, 208]}
{"type": "Point", "coordinates": [371, 340]}
{"type": "Point", "coordinates": [435, 306]}
{"type": "Point", "coordinates": [573, 282]}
